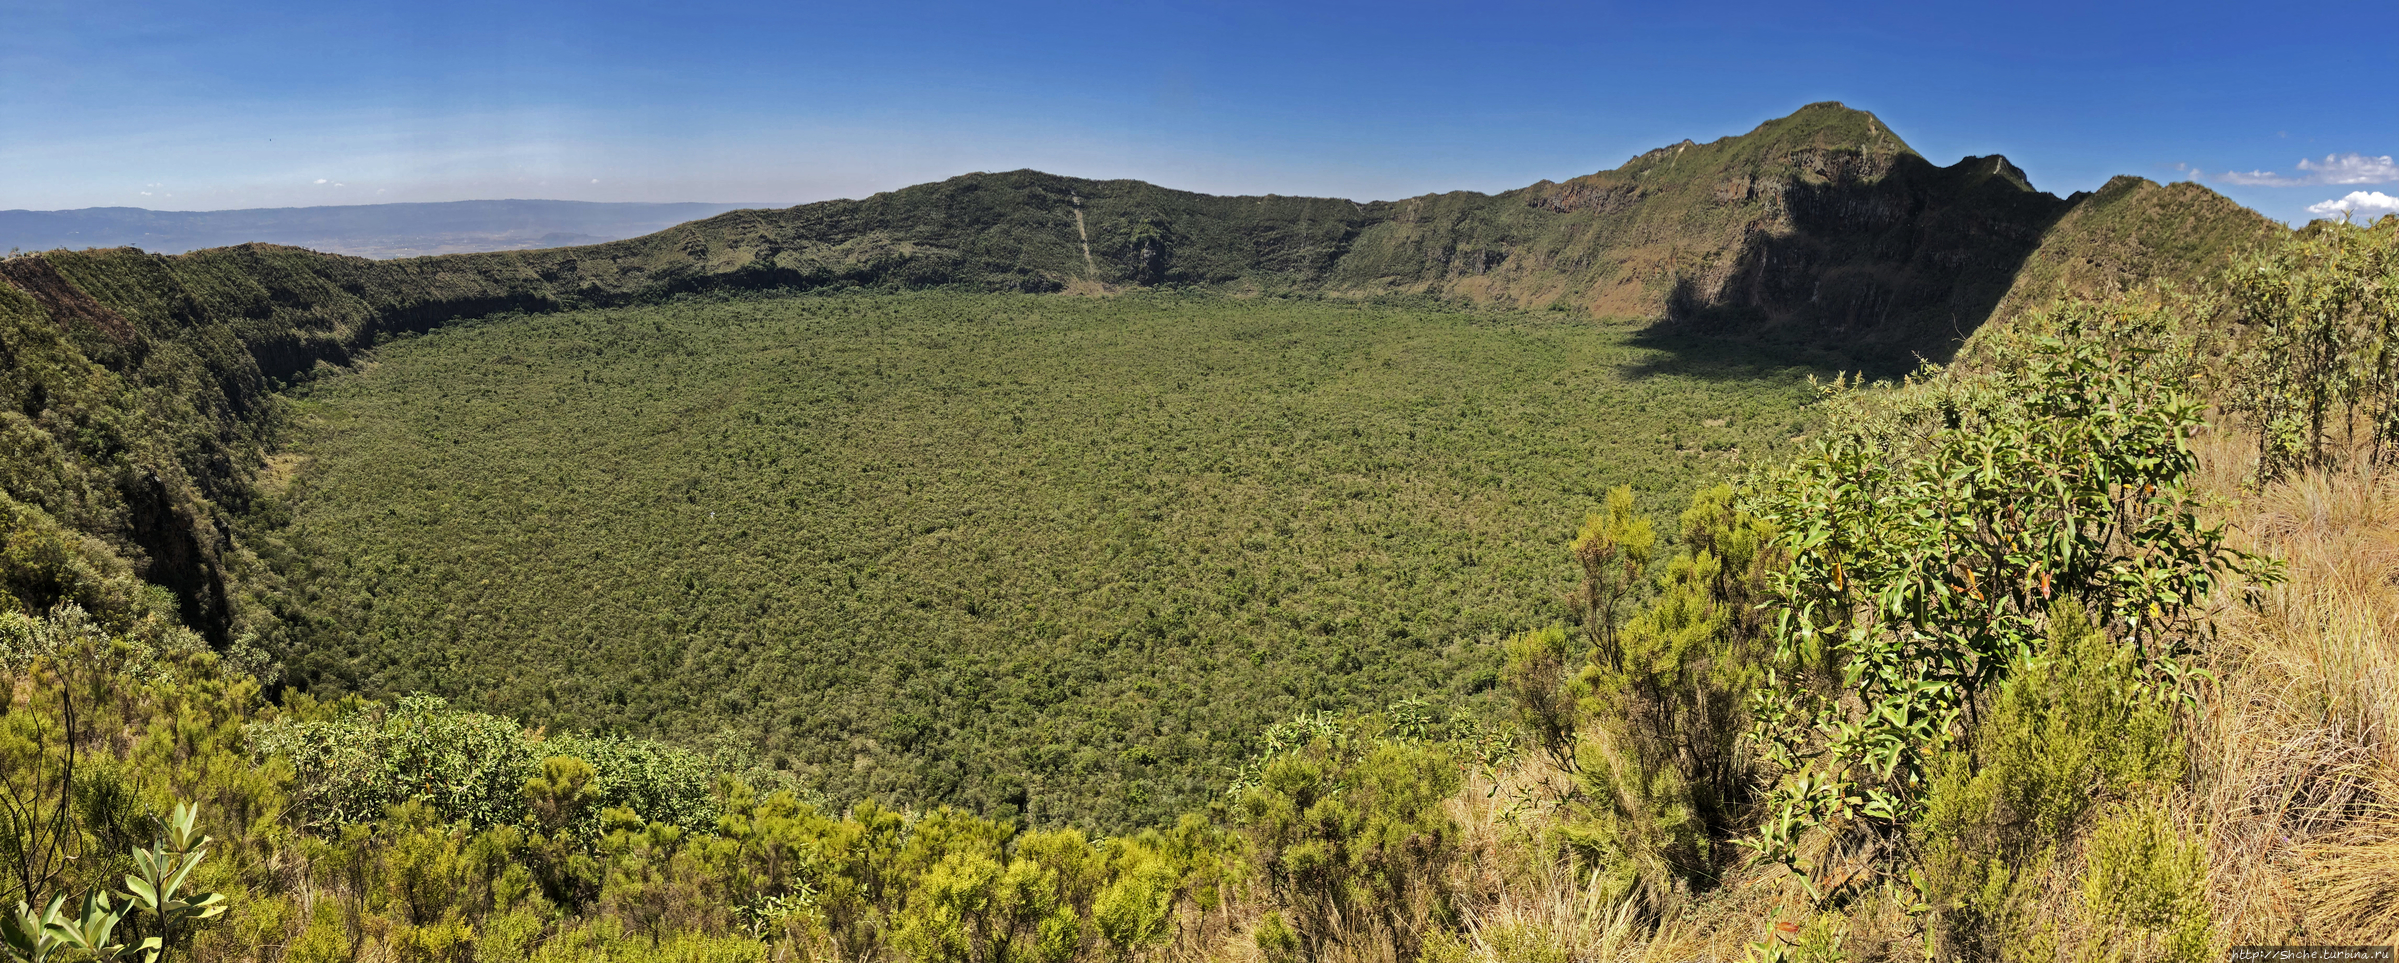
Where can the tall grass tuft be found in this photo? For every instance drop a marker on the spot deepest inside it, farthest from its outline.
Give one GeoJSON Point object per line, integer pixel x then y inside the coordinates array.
{"type": "Point", "coordinates": [2297, 750]}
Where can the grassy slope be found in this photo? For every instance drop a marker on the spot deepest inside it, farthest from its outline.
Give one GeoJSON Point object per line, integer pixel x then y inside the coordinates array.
{"type": "Point", "coordinates": [993, 550]}
{"type": "Point", "coordinates": [2131, 231]}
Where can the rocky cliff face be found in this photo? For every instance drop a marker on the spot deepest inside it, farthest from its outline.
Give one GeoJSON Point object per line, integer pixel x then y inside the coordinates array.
{"type": "Point", "coordinates": [1821, 227]}
{"type": "Point", "coordinates": [1888, 258]}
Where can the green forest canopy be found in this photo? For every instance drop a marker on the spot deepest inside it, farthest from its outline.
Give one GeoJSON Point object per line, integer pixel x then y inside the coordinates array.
{"type": "Point", "coordinates": [1055, 557]}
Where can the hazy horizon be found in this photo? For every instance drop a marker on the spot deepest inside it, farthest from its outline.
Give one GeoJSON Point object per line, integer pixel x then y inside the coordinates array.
{"type": "Point", "coordinates": [171, 105]}
{"type": "Point", "coordinates": [398, 229]}
{"type": "Point", "coordinates": [311, 207]}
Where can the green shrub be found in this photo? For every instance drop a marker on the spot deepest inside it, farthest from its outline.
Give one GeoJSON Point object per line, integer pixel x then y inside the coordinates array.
{"type": "Point", "coordinates": [2321, 317]}
{"type": "Point", "coordinates": [655, 882]}
{"type": "Point", "coordinates": [1929, 542]}
{"type": "Point", "coordinates": [1352, 844]}
{"type": "Point", "coordinates": [858, 881]}
{"type": "Point", "coordinates": [1614, 549]}
{"type": "Point", "coordinates": [1277, 941]}
{"type": "Point", "coordinates": [367, 758]}
{"type": "Point", "coordinates": [357, 759]}
{"type": "Point", "coordinates": [2078, 724]}
{"type": "Point", "coordinates": [2146, 888]}
{"type": "Point", "coordinates": [972, 907]}
{"type": "Point", "coordinates": [1662, 773]}
{"type": "Point", "coordinates": [557, 797]}
{"type": "Point", "coordinates": [1133, 911]}
{"type": "Point", "coordinates": [1538, 671]}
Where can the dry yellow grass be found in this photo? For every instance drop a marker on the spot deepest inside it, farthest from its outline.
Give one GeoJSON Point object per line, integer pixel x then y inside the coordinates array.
{"type": "Point", "coordinates": [1522, 897]}
{"type": "Point", "coordinates": [1524, 902]}
{"type": "Point", "coordinates": [2297, 746]}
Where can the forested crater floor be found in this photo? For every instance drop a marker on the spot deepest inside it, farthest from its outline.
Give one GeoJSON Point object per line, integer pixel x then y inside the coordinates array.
{"type": "Point", "coordinates": [1054, 558]}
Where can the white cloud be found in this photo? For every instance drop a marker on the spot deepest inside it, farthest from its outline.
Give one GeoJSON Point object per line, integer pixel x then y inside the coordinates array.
{"type": "Point", "coordinates": [2265, 178]}
{"type": "Point", "coordinates": [2353, 169]}
{"type": "Point", "coordinates": [2350, 168]}
{"type": "Point", "coordinates": [320, 180]}
{"type": "Point", "coordinates": [2359, 204]}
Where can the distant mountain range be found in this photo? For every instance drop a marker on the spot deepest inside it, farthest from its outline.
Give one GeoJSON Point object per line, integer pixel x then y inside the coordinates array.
{"type": "Point", "coordinates": [365, 230]}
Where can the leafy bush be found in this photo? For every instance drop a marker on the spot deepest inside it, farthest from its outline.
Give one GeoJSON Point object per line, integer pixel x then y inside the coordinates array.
{"type": "Point", "coordinates": [158, 913]}
{"type": "Point", "coordinates": [1929, 545]}
{"type": "Point", "coordinates": [2322, 344]}
{"type": "Point", "coordinates": [356, 760]}
{"type": "Point", "coordinates": [973, 908]}
{"type": "Point", "coordinates": [1537, 683]}
{"type": "Point", "coordinates": [367, 758]}
{"type": "Point", "coordinates": [1614, 549]}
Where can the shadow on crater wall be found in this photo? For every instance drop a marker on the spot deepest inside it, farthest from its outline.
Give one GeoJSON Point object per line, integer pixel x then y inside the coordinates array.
{"type": "Point", "coordinates": [1881, 273]}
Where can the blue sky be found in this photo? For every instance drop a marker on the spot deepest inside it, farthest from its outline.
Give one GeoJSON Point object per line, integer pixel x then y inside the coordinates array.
{"type": "Point", "coordinates": [191, 106]}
